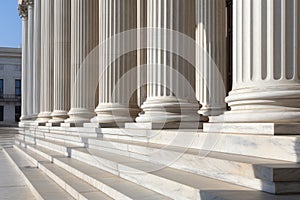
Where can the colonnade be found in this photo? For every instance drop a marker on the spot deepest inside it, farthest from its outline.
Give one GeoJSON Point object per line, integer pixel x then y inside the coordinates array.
{"type": "Point", "coordinates": [73, 73]}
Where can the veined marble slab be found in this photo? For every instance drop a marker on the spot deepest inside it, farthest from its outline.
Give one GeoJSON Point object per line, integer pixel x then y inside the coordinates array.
{"type": "Point", "coordinates": [156, 126]}
{"type": "Point", "coordinates": [254, 128]}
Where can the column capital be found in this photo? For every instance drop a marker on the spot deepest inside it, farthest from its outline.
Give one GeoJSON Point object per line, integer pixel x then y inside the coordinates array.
{"type": "Point", "coordinates": [23, 10]}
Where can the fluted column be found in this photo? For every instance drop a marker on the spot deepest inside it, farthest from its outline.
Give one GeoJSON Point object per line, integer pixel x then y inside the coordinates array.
{"type": "Point", "coordinates": [211, 56]}
{"type": "Point", "coordinates": [84, 61]}
{"type": "Point", "coordinates": [47, 38]}
{"type": "Point", "coordinates": [36, 58]}
{"type": "Point", "coordinates": [24, 15]}
{"type": "Point", "coordinates": [62, 60]}
{"type": "Point", "coordinates": [117, 96]}
{"type": "Point", "coordinates": [30, 58]}
{"type": "Point", "coordinates": [266, 62]}
{"type": "Point", "coordinates": [171, 79]}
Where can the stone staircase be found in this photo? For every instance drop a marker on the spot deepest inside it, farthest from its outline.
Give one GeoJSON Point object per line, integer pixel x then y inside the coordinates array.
{"type": "Point", "coordinates": [91, 163]}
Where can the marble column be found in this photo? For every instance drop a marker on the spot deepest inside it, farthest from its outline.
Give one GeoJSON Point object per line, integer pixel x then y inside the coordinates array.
{"type": "Point", "coordinates": [30, 58]}
{"type": "Point", "coordinates": [117, 76]}
{"type": "Point", "coordinates": [211, 62]}
{"type": "Point", "coordinates": [266, 62]}
{"type": "Point", "coordinates": [171, 79]}
{"type": "Point", "coordinates": [36, 58]}
{"type": "Point", "coordinates": [84, 61]}
{"type": "Point", "coordinates": [24, 15]}
{"type": "Point", "coordinates": [47, 38]}
{"type": "Point", "coordinates": [62, 60]}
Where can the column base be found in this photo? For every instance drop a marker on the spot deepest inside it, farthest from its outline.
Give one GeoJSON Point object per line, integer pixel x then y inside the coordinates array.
{"type": "Point", "coordinates": [43, 118]}
{"type": "Point", "coordinates": [275, 115]}
{"type": "Point", "coordinates": [254, 128]}
{"type": "Point", "coordinates": [114, 114]}
{"type": "Point", "coordinates": [58, 116]}
{"type": "Point", "coordinates": [170, 125]}
{"type": "Point", "coordinates": [164, 110]}
{"type": "Point", "coordinates": [212, 111]}
{"type": "Point", "coordinates": [78, 116]}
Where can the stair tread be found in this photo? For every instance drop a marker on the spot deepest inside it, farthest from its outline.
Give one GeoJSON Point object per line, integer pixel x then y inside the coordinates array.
{"type": "Point", "coordinates": [126, 187]}
{"type": "Point", "coordinates": [80, 186]}
{"type": "Point", "coordinates": [212, 154]}
{"type": "Point", "coordinates": [46, 187]}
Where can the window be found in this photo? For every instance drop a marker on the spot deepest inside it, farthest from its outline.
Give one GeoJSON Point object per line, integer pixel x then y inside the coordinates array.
{"type": "Point", "coordinates": [1, 88]}
{"type": "Point", "coordinates": [1, 113]}
{"type": "Point", "coordinates": [17, 113]}
{"type": "Point", "coordinates": [18, 87]}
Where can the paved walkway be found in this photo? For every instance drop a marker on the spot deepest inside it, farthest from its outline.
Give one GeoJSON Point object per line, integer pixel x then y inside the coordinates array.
{"type": "Point", "coordinates": [12, 185]}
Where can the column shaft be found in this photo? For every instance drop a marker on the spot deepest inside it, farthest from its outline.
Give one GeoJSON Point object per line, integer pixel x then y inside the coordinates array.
{"type": "Point", "coordinates": [62, 60]}
{"type": "Point", "coordinates": [84, 59]}
{"type": "Point", "coordinates": [211, 62]}
{"type": "Point", "coordinates": [47, 38]}
{"type": "Point", "coordinates": [36, 58]}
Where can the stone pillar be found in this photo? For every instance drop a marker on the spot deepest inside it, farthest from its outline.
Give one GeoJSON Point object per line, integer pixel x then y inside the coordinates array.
{"type": "Point", "coordinates": [30, 59]}
{"type": "Point", "coordinates": [171, 79]}
{"type": "Point", "coordinates": [211, 62]}
{"type": "Point", "coordinates": [117, 96]}
{"type": "Point", "coordinates": [84, 64]}
{"type": "Point", "coordinates": [266, 62]}
{"type": "Point", "coordinates": [62, 60]}
{"type": "Point", "coordinates": [36, 58]}
{"type": "Point", "coordinates": [47, 38]}
{"type": "Point", "coordinates": [24, 14]}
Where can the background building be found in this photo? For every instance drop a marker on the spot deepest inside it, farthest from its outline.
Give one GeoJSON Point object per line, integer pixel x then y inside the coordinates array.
{"type": "Point", "coordinates": [10, 86]}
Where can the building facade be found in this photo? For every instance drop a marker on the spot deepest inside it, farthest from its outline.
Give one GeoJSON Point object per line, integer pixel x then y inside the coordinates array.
{"type": "Point", "coordinates": [215, 77]}
{"type": "Point", "coordinates": [10, 86]}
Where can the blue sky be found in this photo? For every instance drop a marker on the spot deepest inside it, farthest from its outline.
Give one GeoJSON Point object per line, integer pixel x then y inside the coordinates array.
{"type": "Point", "coordinates": [10, 24]}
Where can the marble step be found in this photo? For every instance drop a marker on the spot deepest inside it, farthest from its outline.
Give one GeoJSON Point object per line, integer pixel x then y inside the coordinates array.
{"type": "Point", "coordinates": [261, 174]}
{"type": "Point", "coordinates": [69, 139]}
{"type": "Point", "coordinates": [113, 162]}
{"type": "Point", "coordinates": [174, 183]}
{"type": "Point", "coordinates": [282, 147]}
{"type": "Point", "coordinates": [195, 161]}
{"type": "Point", "coordinates": [70, 183]}
{"type": "Point", "coordinates": [40, 184]}
{"type": "Point", "coordinates": [12, 183]}
{"type": "Point", "coordinates": [103, 180]}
